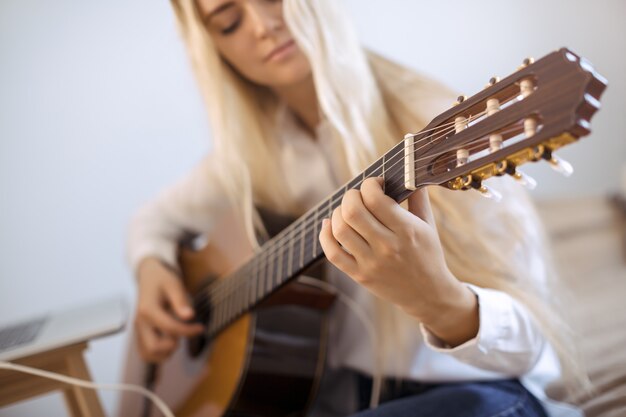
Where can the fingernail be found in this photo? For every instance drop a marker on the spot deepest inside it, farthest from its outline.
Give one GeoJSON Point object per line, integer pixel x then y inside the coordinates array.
{"type": "Point", "coordinates": [325, 222]}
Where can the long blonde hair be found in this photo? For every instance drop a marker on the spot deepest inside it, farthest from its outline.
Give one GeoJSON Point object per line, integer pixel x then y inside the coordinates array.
{"type": "Point", "coordinates": [369, 103]}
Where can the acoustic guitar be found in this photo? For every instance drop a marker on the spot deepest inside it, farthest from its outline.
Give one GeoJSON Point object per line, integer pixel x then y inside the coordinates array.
{"type": "Point", "coordinates": [264, 347]}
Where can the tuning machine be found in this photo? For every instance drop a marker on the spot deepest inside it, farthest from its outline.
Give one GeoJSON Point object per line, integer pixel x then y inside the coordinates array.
{"type": "Point", "coordinates": [506, 167]}
{"type": "Point", "coordinates": [524, 179]}
{"type": "Point", "coordinates": [471, 182]}
{"type": "Point", "coordinates": [560, 165]}
{"type": "Point", "coordinates": [489, 193]}
{"type": "Point", "coordinates": [557, 163]}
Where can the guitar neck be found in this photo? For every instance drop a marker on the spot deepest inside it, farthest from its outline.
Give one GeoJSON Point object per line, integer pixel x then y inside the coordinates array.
{"type": "Point", "coordinates": [296, 248]}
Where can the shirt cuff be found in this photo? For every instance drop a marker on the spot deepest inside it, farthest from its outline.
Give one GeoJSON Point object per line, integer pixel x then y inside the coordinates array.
{"type": "Point", "coordinates": [495, 314]}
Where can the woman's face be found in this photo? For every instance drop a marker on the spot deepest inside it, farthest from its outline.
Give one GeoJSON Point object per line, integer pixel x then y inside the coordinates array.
{"type": "Point", "coordinates": [252, 36]}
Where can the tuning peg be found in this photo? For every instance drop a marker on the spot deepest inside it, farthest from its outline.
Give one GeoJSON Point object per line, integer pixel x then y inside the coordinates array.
{"type": "Point", "coordinates": [489, 193]}
{"type": "Point", "coordinates": [561, 165]}
{"type": "Point", "coordinates": [492, 81]}
{"type": "Point", "coordinates": [526, 62]}
{"type": "Point", "coordinates": [524, 179]}
{"type": "Point", "coordinates": [460, 99]}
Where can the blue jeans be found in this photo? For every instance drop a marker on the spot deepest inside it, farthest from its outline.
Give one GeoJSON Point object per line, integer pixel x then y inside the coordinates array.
{"type": "Point", "coordinates": [503, 398]}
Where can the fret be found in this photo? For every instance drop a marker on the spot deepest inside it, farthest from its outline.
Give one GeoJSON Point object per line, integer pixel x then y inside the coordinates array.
{"type": "Point", "coordinates": [355, 182]}
{"type": "Point", "coordinates": [221, 309]}
{"type": "Point", "coordinates": [224, 300]}
{"type": "Point", "coordinates": [255, 279]}
{"type": "Point", "coordinates": [315, 232]}
{"type": "Point", "coordinates": [297, 246]}
{"type": "Point", "coordinates": [234, 299]}
{"type": "Point", "coordinates": [290, 250]}
{"type": "Point", "coordinates": [275, 265]}
{"type": "Point", "coordinates": [302, 226]}
{"type": "Point", "coordinates": [309, 237]}
{"type": "Point", "coordinates": [284, 267]}
{"type": "Point", "coordinates": [267, 270]}
{"type": "Point", "coordinates": [225, 309]}
{"type": "Point", "coordinates": [239, 295]}
{"type": "Point", "coordinates": [279, 264]}
{"type": "Point", "coordinates": [270, 273]}
{"type": "Point", "coordinates": [393, 166]}
{"type": "Point", "coordinates": [335, 200]}
{"type": "Point", "coordinates": [230, 300]}
{"type": "Point", "coordinates": [374, 170]}
{"type": "Point", "coordinates": [243, 294]}
{"type": "Point", "coordinates": [254, 282]}
{"type": "Point", "coordinates": [263, 274]}
{"type": "Point", "coordinates": [323, 212]}
{"type": "Point", "coordinates": [228, 307]}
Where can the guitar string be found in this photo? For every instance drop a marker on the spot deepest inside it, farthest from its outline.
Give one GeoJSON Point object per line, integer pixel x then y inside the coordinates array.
{"type": "Point", "coordinates": [235, 282]}
{"type": "Point", "coordinates": [278, 251]}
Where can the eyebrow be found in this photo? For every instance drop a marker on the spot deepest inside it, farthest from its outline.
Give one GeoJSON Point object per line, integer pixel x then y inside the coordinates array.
{"type": "Point", "coordinates": [217, 10]}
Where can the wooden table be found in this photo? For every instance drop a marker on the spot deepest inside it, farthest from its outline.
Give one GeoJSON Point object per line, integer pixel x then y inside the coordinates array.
{"type": "Point", "coordinates": [68, 360]}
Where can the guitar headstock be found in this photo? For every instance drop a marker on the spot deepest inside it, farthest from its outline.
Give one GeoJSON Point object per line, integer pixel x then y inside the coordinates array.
{"type": "Point", "coordinates": [525, 117]}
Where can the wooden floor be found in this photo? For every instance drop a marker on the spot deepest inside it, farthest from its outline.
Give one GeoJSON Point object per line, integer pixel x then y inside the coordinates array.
{"type": "Point", "coordinates": [589, 243]}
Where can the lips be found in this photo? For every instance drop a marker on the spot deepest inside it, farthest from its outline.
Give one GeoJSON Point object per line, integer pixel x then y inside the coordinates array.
{"type": "Point", "coordinates": [276, 51]}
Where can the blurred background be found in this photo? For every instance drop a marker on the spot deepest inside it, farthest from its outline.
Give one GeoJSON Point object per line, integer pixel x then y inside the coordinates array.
{"type": "Point", "coordinates": [99, 110]}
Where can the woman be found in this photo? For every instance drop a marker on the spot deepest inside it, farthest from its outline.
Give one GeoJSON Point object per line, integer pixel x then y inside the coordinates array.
{"type": "Point", "coordinates": [457, 285]}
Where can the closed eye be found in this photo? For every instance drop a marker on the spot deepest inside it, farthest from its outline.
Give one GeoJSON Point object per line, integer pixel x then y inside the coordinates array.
{"type": "Point", "coordinates": [231, 28]}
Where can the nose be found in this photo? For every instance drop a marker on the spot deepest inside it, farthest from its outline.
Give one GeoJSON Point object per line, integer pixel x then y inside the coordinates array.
{"type": "Point", "coordinates": [264, 19]}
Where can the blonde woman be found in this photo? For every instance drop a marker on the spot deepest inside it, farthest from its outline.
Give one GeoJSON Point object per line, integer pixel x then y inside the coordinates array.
{"type": "Point", "coordinates": [457, 285]}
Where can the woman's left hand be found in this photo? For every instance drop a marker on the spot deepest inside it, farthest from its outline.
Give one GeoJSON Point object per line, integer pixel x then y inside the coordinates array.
{"type": "Point", "coordinates": [397, 255]}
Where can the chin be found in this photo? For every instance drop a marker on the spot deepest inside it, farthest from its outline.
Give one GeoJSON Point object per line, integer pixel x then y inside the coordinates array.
{"type": "Point", "coordinates": [292, 73]}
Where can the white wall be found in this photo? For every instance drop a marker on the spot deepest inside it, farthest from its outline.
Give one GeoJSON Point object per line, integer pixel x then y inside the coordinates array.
{"type": "Point", "coordinates": [98, 110]}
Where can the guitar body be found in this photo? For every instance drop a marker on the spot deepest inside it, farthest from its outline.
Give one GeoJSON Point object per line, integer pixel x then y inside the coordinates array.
{"type": "Point", "coordinates": [266, 363]}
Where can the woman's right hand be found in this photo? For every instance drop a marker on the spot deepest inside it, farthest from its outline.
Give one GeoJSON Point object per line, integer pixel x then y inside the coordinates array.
{"type": "Point", "coordinates": [163, 311]}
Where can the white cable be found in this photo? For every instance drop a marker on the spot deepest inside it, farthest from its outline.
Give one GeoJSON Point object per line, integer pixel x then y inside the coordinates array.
{"type": "Point", "coordinates": [88, 384]}
{"type": "Point", "coordinates": [360, 312]}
